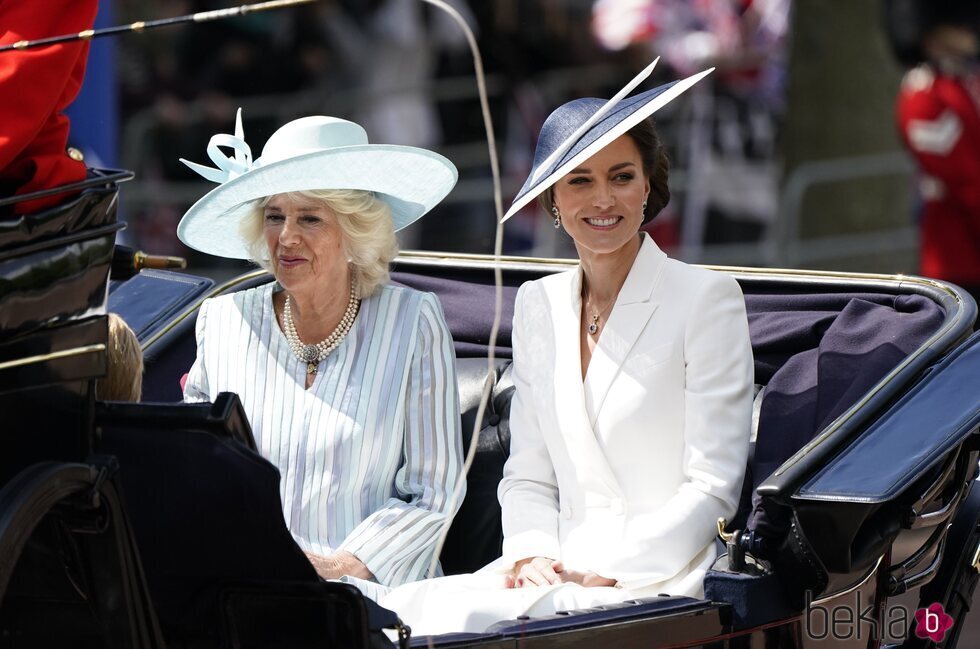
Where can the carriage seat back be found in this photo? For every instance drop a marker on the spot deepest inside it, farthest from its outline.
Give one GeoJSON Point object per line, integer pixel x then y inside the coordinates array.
{"type": "Point", "coordinates": [203, 504]}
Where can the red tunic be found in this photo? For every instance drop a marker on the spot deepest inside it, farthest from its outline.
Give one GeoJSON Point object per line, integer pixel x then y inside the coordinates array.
{"type": "Point", "coordinates": [939, 118]}
{"type": "Point", "coordinates": [36, 85]}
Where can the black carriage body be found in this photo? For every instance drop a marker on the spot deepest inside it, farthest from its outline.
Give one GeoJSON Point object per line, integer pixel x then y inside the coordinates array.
{"type": "Point", "coordinates": [863, 479]}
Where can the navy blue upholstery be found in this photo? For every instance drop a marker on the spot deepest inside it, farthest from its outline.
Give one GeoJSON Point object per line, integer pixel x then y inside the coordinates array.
{"type": "Point", "coordinates": [817, 355]}
{"type": "Point", "coordinates": [469, 311]}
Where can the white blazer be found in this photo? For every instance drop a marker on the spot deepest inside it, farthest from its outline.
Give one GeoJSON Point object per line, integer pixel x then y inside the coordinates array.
{"type": "Point", "coordinates": [626, 473]}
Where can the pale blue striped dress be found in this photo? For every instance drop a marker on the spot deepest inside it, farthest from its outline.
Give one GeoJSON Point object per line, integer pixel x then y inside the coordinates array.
{"type": "Point", "coordinates": [368, 456]}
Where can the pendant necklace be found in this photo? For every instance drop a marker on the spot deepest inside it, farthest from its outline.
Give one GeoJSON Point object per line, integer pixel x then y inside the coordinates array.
{"type": "Point", "coordinates": [313, 354]}
{"type": "Point", "coordinates": [594, 325]}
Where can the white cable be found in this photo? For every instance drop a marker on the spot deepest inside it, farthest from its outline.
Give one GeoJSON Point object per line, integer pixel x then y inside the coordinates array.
{"type": "Point", "coordinates": [497, 276]}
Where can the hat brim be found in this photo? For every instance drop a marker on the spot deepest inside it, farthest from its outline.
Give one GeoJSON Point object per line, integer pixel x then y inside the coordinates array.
{"type": "Point", "coordinates": [631, 112]}
{"type": "Point", "coordinates": [410, 180]}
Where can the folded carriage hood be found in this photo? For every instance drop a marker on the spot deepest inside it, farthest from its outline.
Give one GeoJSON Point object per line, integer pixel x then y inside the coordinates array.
{"type": "Point", "coordinates": [921, 450]}
{"type": "Point", "coordinates": [911, 438]}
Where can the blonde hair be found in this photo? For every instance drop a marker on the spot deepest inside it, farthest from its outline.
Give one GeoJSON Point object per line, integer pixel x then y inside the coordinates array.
{"type": "Point", "coordinates": [124, 360]}
{"type": "Point", "coordinates": [365, 221]}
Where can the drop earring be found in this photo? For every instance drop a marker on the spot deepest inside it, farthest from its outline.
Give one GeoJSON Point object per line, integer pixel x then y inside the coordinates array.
{"type": "Point", "coordinates": [554, 210]}
{"type": "Point", "coordinates": [643, 208]}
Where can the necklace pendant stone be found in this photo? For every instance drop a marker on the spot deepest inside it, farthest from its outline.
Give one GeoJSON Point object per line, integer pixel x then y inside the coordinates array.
{"type": "Point", "coordinates": [311, 368]}
{"type": "Point", "coordinates": [593, 327]}
{"type": "Point", "coordinates": [309, 353]}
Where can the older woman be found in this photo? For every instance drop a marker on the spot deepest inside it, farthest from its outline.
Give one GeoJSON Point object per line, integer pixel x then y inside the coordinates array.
{"type": "Point", "coordinates": [348, 382]}
{"type": "Point", "coordinates": [633, 374]}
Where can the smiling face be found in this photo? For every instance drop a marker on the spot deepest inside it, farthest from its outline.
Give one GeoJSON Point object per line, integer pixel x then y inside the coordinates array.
{"type": "Point", "coordinates": [306, 245]}
{"type": "Point", "coordinates": [601, 200]}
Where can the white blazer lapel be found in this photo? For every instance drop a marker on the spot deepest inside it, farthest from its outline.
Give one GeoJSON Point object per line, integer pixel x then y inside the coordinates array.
{"type": "Point", "coordinates": [572, 418]}
{"type": "Point", "coordinates": [629, 316]}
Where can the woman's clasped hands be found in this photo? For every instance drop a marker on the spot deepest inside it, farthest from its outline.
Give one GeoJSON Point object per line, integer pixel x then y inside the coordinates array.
{"type": "Point", "coordinates": [542, 571]}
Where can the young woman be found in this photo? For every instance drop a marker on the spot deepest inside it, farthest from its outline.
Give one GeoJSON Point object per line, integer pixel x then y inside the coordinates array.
{"type": "Point", "coordinates": [631, 417]}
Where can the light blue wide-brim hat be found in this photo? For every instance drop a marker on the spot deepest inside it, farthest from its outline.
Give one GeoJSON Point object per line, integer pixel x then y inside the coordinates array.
{"type": "Point", "coordinates": [310, 153]}
{"type": "Point", "coordinates": [579, 129]}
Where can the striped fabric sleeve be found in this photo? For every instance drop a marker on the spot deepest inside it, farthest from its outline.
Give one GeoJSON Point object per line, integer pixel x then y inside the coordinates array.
{"type": "Point", "coordinates": [196, 387]}
{"type": "Point", "coordinates": [397, 541]}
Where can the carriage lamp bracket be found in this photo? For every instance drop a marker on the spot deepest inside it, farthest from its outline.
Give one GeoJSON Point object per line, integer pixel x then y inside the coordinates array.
{"type": "Point", "coordinates": [722, 534]}
{"type": "Point", "coordinates": [743, 547]}
{"type": "Point", "coordinates": [736, 556]}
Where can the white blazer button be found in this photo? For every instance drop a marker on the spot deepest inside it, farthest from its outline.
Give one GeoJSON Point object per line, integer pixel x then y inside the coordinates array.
{"type": "Point", "coordinates": [566, 511]}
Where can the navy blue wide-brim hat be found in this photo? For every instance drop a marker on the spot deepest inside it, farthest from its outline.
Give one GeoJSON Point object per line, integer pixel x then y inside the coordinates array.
{"type": "Point", "coordinates": [579, 129]}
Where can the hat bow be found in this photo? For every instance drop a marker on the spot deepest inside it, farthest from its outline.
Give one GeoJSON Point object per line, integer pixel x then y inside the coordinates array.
{"type": "Point", "coordinates": [228, 167]}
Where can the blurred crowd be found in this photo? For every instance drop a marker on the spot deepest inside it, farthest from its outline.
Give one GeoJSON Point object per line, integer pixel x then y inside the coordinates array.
{"type": "Point", "coordinates": [402, 69]}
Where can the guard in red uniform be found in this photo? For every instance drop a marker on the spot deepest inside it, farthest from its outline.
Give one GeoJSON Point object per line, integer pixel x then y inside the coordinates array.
{"type": "Point", "coordinates": [939, 117]}
{"type": "Point", "coordinates": [36, 85]}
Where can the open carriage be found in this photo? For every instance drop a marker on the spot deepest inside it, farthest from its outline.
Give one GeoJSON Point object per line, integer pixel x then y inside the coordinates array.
{"type": "Point", "coordinates": [158, 524]}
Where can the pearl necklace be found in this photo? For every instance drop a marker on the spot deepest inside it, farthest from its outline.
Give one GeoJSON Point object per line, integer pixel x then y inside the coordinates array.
{"type": "Point", "coordinates": [312, 354]}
